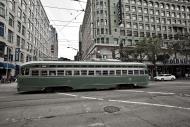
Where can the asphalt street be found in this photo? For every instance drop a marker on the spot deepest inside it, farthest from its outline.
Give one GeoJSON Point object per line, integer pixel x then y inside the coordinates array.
{"type": "Point", "coordinates": [161, 104]}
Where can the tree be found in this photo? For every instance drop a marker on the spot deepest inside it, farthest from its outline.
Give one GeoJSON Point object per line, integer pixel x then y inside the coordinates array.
{"type": "Point", "coordinates": [150, 48]}
{"type": "Point", "coordinates": [185, 46]}
{"type": "Point", "coordinates": [141, 49]}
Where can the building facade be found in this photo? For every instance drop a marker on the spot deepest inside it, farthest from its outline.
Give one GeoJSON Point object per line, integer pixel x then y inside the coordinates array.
{"type": "Point", "coordinates": [25, 33]}
{"type": "Point", "coordinates": [107, 23]}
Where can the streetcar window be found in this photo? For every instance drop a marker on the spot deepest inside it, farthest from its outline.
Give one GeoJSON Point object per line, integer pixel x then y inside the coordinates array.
{"type": "Point", "coordinates": [142, 72]}
{"type": "Point", "coordinates": [52, 73]}
{"type": "Point", "coordinates": [124, 72]}
{"type": "Point", "coordinates": [44, 73]}
{"type": "Point", "coordinates": [98, 72]}
{"type": "Point", "coordinates": [26, 71]}
{"type": "Point", "coordinates": [68, 66]}
{"type": "Point", "coordinates": [84, 66]}
{"type": "Point", "coordinates": [118, 72]}
{"type": "Point", "coordinates": [91, 66]}
{"type": "Point", "coordinates": [68, 72]}
{"type": "Point", "coordinates": [136, 72]}
{"type": "Point", "coordinates": [112, 72]}
{"type": "Point", "coordinates": [130, 72]}
{"type": "Point", "coordinates": [60, 72]}
{"type": "Point", "coordinates": [90, 72]}
{"type": "Point", "coordinates": [35, 73]}
{"type": "Point", "coordinates": [52, 66]}
{"type": "Point", "coordinates": [146, 72]}
{"type": "Point", "coordinates": [76, 66]}
{"type": "Point", "coordinates": [76, 72]}
{"type": "Point", "coordinates": [83, 72]}
{"type": "Point", "coordinates": [60, 66]}
{"type": "Point", "coordinates": [98, 66]}
{"type": "Point", "coordinates": [105, 72]}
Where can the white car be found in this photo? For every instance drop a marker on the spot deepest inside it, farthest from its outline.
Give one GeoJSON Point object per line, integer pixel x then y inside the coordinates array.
{"type": "Point", "coordinates": [163, 77]}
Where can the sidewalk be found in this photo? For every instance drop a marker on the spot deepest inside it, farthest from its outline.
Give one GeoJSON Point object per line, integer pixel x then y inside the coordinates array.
{"type": "Point", "coordinates": [12, 84]}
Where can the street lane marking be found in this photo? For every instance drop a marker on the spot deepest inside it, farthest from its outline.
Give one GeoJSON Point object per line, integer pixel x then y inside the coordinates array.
{"type": "Point", "coordinates": [72, 95]}
{"type": "Point", "coordinates": [161, 93]}
{"type": "Point", "coordinates": [136, 91]}
{"type": "Point", "coordinates": [91, 98]}
{"type": "Point", "coordinates": [149, 104]}
{"type": "Point", "coordinates": [139, 91]}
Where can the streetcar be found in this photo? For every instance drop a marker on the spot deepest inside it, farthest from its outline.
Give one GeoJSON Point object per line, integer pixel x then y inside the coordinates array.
{"type": "Point", "coordinates": [76, 75]}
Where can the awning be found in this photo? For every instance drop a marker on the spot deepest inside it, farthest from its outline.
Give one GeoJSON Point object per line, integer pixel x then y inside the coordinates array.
{"type": "Point", "coordinates": [6, 66]}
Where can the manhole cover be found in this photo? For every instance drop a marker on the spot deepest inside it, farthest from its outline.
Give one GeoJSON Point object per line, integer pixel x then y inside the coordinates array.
{"type": "Point", "coordinates": [111, 109]}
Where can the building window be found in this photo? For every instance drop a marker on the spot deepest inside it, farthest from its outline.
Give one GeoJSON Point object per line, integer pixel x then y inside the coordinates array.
{"type": "Point", "coordinates": [167, 6]}
{"type": "Point", "coordinates": [152, 27]}
{"type": "Point", "coordinates": [128, 16]}
{"type": "Point", "coordinates": [134, 17]}
{"type": "Point", "coordinates": [145, 10]}
{"type": "Point", "coordinates": [145, 3]}
{"type": "Point", "coordinates": [173, 7]}
{"type": "Point", "coordinates": [107, 40]}
{"type": "Point", "coordinates": [140, 10]}
{"type": "Point", "coordinates": [102, 40]}
{"type": "Point", "coordinates": [18, 41]}
{"type": "Point", "coordinates": [147, 27]}
{"type": "Point", "coordinates": [10, 36]}
{"type": "Point", "coordinates": [19, 13]}
{"type": "Point", "coordinates": [11, 5]}
{"type": "Point", "coordinates": [23, 30]}
{"type": "Point", "coordinates": [135, 33]}
{"type": "Point", "coordinates": [157, 12]}
{"type": "Point", "coordinates": [23, 44]}
{"type": "Point", "coordinates": [139, 2]}
{"type": "Point", "coordinates": [146, 19]}
{"type": "Point", "coordinates": [102, 30]}
{"type": "Point", "coordinates": [133, 9]}
{"type": "Point", "coordinates": [18, 26]}
{"type": "Point", "coordinates": [162, 5]}
{"type": "Point", "coordinates": [152, 19]}
{"type": "Point", "coordinates": [163, 21]}
{"type": "Point", "coordinates": [141, 26]}
{"type": "Point", "coordinates": [135, 26]}
{"type": "Point", "coordinates": [128, 25]}
{"type": "Point", "coordinates": [141, 34]}
{"type": "Point", "coordinates": [150, 3]}
{"type": "Point", "coordinates": [23, 5]}
{"type": "Point", "coordinates": [2, 29]}
{"type": "Point", "coordinates": [11, 20]}
{"type": "Point", "coordinates": [140, 18]}
{"type": "Point", "coordinates": [2, 10]}
{"type": "Point", "coordinates": [156, 5]}
{"type": "Point", "coordinates": [157, 20]}
{"type": "Point", "coordinates": [168, 14]}
{"type": "Point", "coordinates": [151, 11]}
{"type": "Point", "coordinates": [24, 17]}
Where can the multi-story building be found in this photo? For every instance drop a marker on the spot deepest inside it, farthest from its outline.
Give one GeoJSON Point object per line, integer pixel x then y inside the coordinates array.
{"type": "Point", "coordinates": [25, 33]}
{"type": "Point", "coordinates": [107, 23]}
{"type": "Point", "coordinates": [54, 43]}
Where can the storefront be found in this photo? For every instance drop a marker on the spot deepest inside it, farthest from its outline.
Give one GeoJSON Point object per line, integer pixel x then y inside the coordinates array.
{"type": "Point", "coordinates": [7, 71]}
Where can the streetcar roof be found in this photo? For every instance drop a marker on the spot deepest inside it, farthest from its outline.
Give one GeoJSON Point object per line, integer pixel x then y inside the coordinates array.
{"type": "Point", "coordinates": [80, 63]}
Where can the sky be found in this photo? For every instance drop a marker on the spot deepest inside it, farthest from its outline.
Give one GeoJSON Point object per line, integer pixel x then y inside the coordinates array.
{"type": "Point", "coordinates": [66, 16]}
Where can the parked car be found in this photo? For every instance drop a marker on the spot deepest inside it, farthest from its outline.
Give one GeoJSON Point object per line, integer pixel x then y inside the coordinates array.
{"type": "Point", "coordinates": [163, 77]}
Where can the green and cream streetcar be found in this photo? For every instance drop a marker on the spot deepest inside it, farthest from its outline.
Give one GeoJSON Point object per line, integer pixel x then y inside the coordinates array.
{"type": "Point", "coordinates": [75, 75]}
